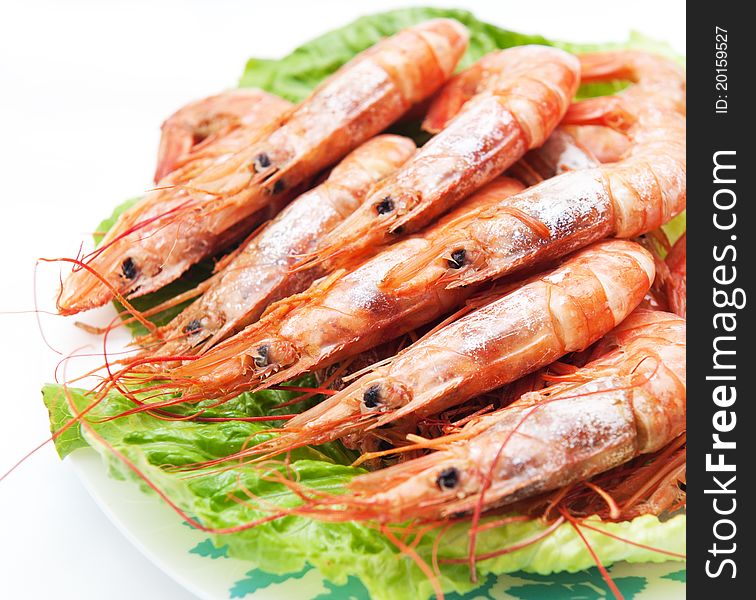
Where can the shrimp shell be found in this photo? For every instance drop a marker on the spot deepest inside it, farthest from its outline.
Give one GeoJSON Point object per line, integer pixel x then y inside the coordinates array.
{"type": "Point", "coordinates": [260, 271]}
{"type": "Point", "coordinates": [629, 402]}
{"type": "Point", "coordinates": [341, 315]}
{"type": "Point", "coordinates": [157, 240]}
{"type": "Point", "coordinates": [509, 113]}
{"type": "Point", "coordinates": [625, 199]}
{"type": "Point", "coordinates": [563, 310]}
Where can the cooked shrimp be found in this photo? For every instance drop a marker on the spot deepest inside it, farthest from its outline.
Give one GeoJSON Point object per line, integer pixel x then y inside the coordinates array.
{"type": "Point", "coordinates": [675, 284]}
{"type": "Point", "coordinates": [203, 123]}
{"type": "Point", "coordinates": [260, 271]}
{"type": "Point", "coordinates": [337, 317]}
{"type": "Point", "coordinates": [629, 402]}
{"type": "Point", "coordinates": [154, 242]}
{"type": "Point", "coordinates": [625, 199]}
{"type": "Point", "coordinates": [564, 310]}
{"type": "Point", "coordinates": [519, 96]}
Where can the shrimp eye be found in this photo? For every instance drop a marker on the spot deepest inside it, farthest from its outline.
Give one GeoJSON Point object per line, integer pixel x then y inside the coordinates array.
{"type": "Point", "coordinates": [384, 206]}
{"type": "Point", "coordinates": [448, 479]}
{"type": "Point", "coordinates": [261, 161]}
{"type": "Point", "coordinates": [128, 268]}
{"type": "Point", "coordinates": [372, 396]}
{"type": "Point", "coordinates": [457, 260]}
{"type": "Point", "coordinates": [193, 326]}
{"type": "Point", "coordinates": [279, 186]}
{"type": "Point", "coordinates": [262, 358]}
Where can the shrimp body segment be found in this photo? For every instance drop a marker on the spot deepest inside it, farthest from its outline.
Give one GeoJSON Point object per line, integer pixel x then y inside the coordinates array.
{"type": "Point", "coordinates": [637, 194]}
{"type": "Point", "coordinates": [342, 315]}
{"type": "Point", "coordinates": [260, 271]}
{"type": "Point", "coordinates": [172, 229]}
{"type": "Point", "coordinates": [628, 402]}
{"type": "Point", "coordinates": [550, 315]}
{"type": "Point", "coordinates": [520, 96]}
{"type": "Point", "coordinates": [197, 128]}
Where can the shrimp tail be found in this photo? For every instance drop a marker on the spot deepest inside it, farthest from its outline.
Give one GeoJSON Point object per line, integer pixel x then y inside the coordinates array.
{"type": "Point", "coordinates": [607, 111]}
{"type": "Point", "coordinates": [603, 66]}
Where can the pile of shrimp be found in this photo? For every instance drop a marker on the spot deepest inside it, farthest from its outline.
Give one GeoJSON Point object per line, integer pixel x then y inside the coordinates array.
{"type": "Point", "coordinates": [496, 318]}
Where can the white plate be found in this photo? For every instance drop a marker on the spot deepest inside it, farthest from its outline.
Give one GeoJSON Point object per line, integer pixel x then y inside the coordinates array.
{"type": "Point", "coordinates": [190, 558]}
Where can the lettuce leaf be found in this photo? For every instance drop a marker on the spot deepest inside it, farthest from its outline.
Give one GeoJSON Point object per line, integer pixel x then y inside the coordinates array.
{"type": "Point", "coordinates": [338, 550]}
{"type": "Point", "coordinates": [297, 74]}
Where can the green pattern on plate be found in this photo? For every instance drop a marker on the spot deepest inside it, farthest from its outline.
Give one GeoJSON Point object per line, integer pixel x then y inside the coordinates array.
{"type": "Point", "coordinates": [583, 585]}
{"type": "Point", "coordinates": [256, 579]}
{"type": "Point", "coordinates": [207, 549]}
{"type": "Point", "coordinates": [676, 576]}
{"type": "Point", "coordinates": [352, 590]}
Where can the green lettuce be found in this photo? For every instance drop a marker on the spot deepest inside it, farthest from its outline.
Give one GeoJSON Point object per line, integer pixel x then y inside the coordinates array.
{"type": "Point", "coordinates": [297, 74]}
{"type": "Point", "coordinates": [339, 550]}
{"type": "Point", "coordinates": [288, 545]}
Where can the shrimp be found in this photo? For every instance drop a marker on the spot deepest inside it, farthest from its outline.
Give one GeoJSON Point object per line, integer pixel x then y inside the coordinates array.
{"type": "Point", "coordinates": [521, 97]}
{"type": "Point", "coordinates": [203, 123]}
{"type": "Point", "coordinates": [341, 315]}
{"type": "Point", "coordinates": [155, 241]}
{"type": "Point", "coordinates": [627, 403]}
{"type": "Point", "coordinates": [675, 284]}
{"type": "Point", "coordinates": [563, 310]}
{"type": "Point", "coordinates": [634, 195]}
{"type": "Point", "coordinates": [259, 272]}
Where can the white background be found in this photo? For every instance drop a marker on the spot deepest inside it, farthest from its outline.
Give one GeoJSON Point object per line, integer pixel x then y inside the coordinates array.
{"type": "Point", "coordinates": [84, 87]}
